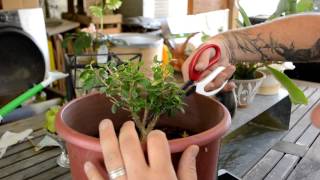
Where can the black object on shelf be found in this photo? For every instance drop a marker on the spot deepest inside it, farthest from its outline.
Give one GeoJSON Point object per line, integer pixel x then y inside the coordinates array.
{"type": "Point", "coordinates": [72, 65]}
{"type": "Point", "coordinates": [305, 71]}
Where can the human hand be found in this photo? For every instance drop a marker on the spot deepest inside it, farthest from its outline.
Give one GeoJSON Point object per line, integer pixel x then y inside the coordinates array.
{"type": "Point", "coordinates": [126, 153]}
{"type": "Point", "coordinates": [203, 62]}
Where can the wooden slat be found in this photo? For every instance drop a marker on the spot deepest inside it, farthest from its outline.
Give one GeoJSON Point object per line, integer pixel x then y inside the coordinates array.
{"type": "Point", "coordinates": [37, 136]}
{"type": "Point", "coordinates": [290, 148]}
{"type": "Point", "coordinates": [27, 163]}
{"type": "Point", "coordinates": [51, 173]}
{"type": "Point", "coordinates": [34, 123]}
{"type": "Point", "coordinates": [19, 157]}
{"type": "Point", "coordinates": [307, 94]}
{"type": "Point", "coordinates": [261, 169]}
{"type": "Point", "coordinates": [200, 6]}
{"type": "Point", "coordinates": [34, 170]}
{"type": "Point", "coordinates": [66, 176]}
{"type": "Point", "coordinates": [304, 123]}
{"type": "Point", "coordinates": [300, 112]}
{"type": "Point", "coordinates": [308, 136]}
{"type": "Point", "coordinates": [283, 168]}
{"type": "Point", "coordinates": [309, 166]}
{"type": "Point", "coordinates": [108, 19]}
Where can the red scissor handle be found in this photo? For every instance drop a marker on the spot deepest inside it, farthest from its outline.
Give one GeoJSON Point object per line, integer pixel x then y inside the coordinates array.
{"type": "Point", "coordinates": [194, 74]}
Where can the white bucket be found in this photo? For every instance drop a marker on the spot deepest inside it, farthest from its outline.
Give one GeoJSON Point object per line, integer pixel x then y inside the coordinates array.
{"type": "Point", "coordinates": [270, 84]}
{"type": "Point", "coordinates": [149, 46]}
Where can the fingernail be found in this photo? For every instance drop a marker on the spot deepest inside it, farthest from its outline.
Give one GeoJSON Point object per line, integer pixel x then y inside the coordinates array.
{"type": "Point", "coordinates": [87, 166]}
{"type": "Point", "coordinates": [104, 124]}
{"type": "Point", "coordinates": [195, 150]}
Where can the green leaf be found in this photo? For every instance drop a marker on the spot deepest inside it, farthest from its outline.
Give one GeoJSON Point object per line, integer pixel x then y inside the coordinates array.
{"type": "Point", "coordinates": [282, 7]}
{"type": "Point", "coordinates": [97, 11]}
{"type": "Point", "coordinates": [113, 4]}
{"type": "Point", "coordinates": [205, 37]}
{"type": "Point", "coordinates": [305, 5]}
{"type": "Point", "coordinates": [245, 17]}
{"type": "Point", "coordinates": [296, 95]}
{"type": "Point", "coordinates": [240, 24]}
{"type": "Point", "coordinates": [114, 108]}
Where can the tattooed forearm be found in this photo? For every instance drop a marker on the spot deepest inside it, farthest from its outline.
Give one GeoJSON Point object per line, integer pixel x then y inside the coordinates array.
{"type": "Point", "coordinates": [242, 44]}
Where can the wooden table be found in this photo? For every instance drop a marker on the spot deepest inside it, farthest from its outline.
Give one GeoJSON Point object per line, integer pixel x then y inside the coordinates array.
{"type": "Point", "coordinates": [22, 162]}
{"type": "Point", "coordinates": [258, 152]}
{"type": "Point", "coordinates": [294, 153]}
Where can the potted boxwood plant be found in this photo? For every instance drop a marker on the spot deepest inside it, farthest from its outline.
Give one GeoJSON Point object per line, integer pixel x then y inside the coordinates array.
{"type": "Point", "coordinates": [156, 103]}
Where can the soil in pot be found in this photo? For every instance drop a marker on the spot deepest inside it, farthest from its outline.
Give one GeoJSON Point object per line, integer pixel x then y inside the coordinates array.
{"type": "Point", "coordinates": [171, 132]}
{"type": "Point", "coordinates": [78, 122]}
{"type": "Point", "coordinates": [247, 89]}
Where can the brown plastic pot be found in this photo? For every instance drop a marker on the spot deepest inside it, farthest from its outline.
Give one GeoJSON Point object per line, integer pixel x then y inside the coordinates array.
{"type": "Point", "coordinates": [77, 123]}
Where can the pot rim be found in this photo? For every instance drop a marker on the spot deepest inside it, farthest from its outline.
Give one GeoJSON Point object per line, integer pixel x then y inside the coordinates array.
{"type": "Point", "coordinates": [252, 80]}
{"type": "Point", "coordinates": [176, 145]}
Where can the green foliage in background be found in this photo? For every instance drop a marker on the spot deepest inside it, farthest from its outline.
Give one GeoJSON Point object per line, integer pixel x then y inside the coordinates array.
{"type": "Point", "coordinates": [296, 95]}
{"type": "Point", "coordinates": [130, 90]}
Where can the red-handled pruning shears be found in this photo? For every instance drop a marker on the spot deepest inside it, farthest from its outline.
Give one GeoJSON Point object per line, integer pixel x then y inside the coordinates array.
{"type": "Point", "coordinates": [195, 75]}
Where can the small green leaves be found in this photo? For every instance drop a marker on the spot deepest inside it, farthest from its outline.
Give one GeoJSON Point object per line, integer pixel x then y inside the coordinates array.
{"type": "Point", "coordinates": [114, 108]}
{"type": "Point", "coordinates": [97, 11]}
{"type": "Point", "coordinates": [296, 95]}
{"type": "Point", "coordinates": [113, 4]}
{"type": "Point", "coordinates": [305, 5]}
{"type": "Point", "coordinates": [128, 88]}
{"type": "Point", "coordinates": [245, 70]}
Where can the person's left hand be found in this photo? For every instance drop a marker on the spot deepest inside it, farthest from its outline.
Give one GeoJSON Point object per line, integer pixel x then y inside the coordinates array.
{"type": "Point", "coordinates": [127, 153]}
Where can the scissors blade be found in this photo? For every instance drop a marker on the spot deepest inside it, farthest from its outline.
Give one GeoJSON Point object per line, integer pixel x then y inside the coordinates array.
{"type": "Point", "coordinates": [187, 85]}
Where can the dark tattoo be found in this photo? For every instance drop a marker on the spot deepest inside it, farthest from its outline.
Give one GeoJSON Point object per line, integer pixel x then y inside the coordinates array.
{"type": "Point", "coordinates": [264, 48]}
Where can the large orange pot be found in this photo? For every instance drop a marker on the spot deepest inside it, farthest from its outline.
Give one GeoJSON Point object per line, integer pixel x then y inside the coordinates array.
{"type": "Point", "coordinates": [77, 123]}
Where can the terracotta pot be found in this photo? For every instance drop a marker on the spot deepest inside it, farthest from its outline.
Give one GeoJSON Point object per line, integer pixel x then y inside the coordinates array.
{"type": "Point", "coordinates": [77, 123]}
{"type": "Point", "coordinates": [315, 116]}
{"type": "Point", "coordinates": [246, 90]}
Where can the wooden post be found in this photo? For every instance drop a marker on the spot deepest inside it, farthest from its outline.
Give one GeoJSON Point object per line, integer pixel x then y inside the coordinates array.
{"type": "Point", "coordinates": [201, 6]}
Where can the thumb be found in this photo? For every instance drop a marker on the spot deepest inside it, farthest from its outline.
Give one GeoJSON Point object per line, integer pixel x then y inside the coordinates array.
{"type": "Point", "coordinates": [187, 166]}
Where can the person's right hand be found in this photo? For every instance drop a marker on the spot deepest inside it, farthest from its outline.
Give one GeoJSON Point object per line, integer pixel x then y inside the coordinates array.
{"type": "Point", "coordinates": [203, 64]}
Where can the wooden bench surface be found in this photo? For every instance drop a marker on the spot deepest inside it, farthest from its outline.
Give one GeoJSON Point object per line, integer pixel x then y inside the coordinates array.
{"type": "Point", "coordinates": [21, 161]}
{"type": "Point", "coordinates": [294, 156]}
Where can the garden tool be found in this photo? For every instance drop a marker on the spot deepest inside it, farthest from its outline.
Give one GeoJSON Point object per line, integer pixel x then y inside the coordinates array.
{"type": "Point", "coordinates": [193, 85]}
{"type": "Point", "coordinates": [52, 76]}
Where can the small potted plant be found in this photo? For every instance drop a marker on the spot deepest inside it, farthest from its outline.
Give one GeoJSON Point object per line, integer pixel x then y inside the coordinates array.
{"type": "Point", "coordinates": [103, 14]}
{"type": "Point", "coordinates": [152, 103]}
{"type": "Point", "coordinates": [248, 81]}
